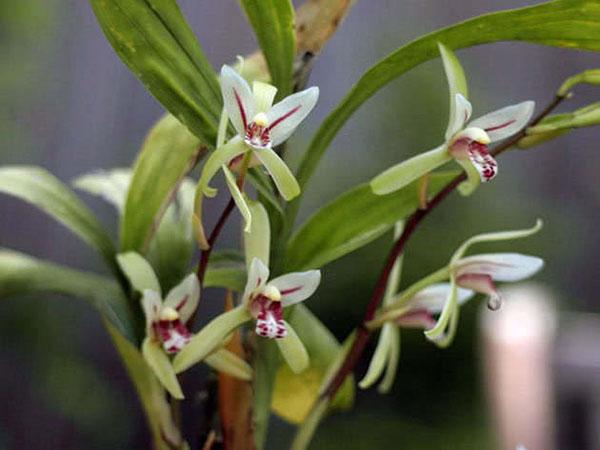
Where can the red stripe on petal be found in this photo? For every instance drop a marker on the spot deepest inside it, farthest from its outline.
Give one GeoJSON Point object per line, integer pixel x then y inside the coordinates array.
{"type": "Point", "coordinates": [238, 100]}
{"type": "Point", "coordinates": [290, 290]}
{"type": "Point", "coordinates": [282, 118]}
{"type": "Point", "coordinates": [499, 127]}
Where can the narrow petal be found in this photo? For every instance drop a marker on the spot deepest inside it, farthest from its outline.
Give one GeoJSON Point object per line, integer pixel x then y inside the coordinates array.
{"type": "Point", "coordinates": [238, 198]}
{"type": "Point", "coordinates": [457, 84]}
{"type": "Point", "coordinates": [500, 266]}
{"type": "Point", "coordinates": [151, 304]}
{"type": "Point", "coordinates": [210, 338]}
{"type": "Point", "coordinates": [379, 359]}
{"type": "Point", "coordinates": [459, 115]}
{"type": "Point", "coordinates": [280, 172]}
{"type": "Point", "coordinates": [433, 298]}
{"type": "Point", "coordinates": [139, 272]}
{"type": "Point", "coordinates": [161, 366]}
{"type": "Point", "coordinates": [402, 174]}
{"type": "Point", "coordinates": [264, 94]}
{"type": "Point", "coordinates": [392, 362]}
{"type": "Point", "coordinates": [237, 99]}
{"type": "Point", "coordinates": [286, 115]}
{"type": "Point", "coordinates": [505, 122]}
{"type": "Point", "coordinates": [184, 297]}
{"type": "Point", "coordinates": [216, 160]}
{"type": "Point", "coordinates": [473, 181]}
{"type": "Point", "coordinates": [257, 242]}
{"type": "Point", "coordinates": [448, 311]}
{"type": "Point", "coordinates": [297, 286]}
{"type": "Point", "coordinates": [492, 237]}
{"type": "Point", "coordinates": [258, 274]}
{"type": "Point", "coordinates": [293, 351]}
{"type": "Point", "coordinates": [227, 362]}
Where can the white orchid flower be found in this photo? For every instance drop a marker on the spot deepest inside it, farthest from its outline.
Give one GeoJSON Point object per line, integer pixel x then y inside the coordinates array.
{"type": "Point", "coordinates": [166, 329]}
{"type": "Point", "coordinates": [418, 312]}
{"type": "Point", "coordinates": [417, 305]}
{"type": "Point", "coordinates": [466, 142]}
{"type": "Point", "coordinates": [260, 126]}
{"type": "Point", "coordinates": [262, 301]}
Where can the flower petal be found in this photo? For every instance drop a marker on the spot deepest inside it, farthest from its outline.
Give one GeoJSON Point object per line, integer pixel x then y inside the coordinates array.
{"type": "Point", "coordinates": [500, 266]}
{"type": "Point", "coordinates": [216, 160]}
{"type": "Point", "coordinates": [139, 272]}
{"type": "Point", "coordinates": [151, 304]}
{"type": "Point", "coordinates": [505, 122]}
{"type": "Point", "coordinates": [158, 360]}
{"type": "Point", "coordinates": [227, 362]}
{"type": "Point", "coordinates": [297, 286]}
{"type": "Point", "coordinates": [280, 172]}
{"type": "Point", "coordinates": [492, 237]}
{"type": "Point", "coordinates": [257, 242]}
{"type": "Point", "coordinates": [286, 115]}
{"type": "Point", "coordinates": [293, 351]}
{"type": "Point", "coordinates": [184, 297]}
{"type": "Point", "coordinates": [379, 359]}
{"type": "Point", "coordinates": [448, 311]}
{"type": "Point", "coordinates": [457, 84]}
{"type": "Point", "coordinates": [238, 198]}
{"type": "Point", "coordinates": [258, 274]}
{"type": "Point", "coordinates": [237, 99]}
{"type": "Point", "coordinates": [433, 298]}
{"type": "Point", "coordinates": [264, 94]}
{"type": "Point", "coordinates": [459, 115]}
{"type": "Point", "coordinates": [210, 338]}
{"type": "Point", "coordinates": [392, 362]}
{"type": "Point", "coordinates": [402, 174]}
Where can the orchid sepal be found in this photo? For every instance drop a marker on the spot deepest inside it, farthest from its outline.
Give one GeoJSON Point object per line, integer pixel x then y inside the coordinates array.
{"type": "Point", "coordinates": [400, 175]}
{"type": "Point", "coordinates": [293, 351]}
{"type": "Point", "coordinates": [210, 338]}
{"type": "Point", "coordinates": [223, 360]}
{"type": "Point", "coordinates": [161, 366]}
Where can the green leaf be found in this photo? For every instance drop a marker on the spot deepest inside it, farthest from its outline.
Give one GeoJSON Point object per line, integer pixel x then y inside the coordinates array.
{"type": "Point", "coordinates": [139, 272]}
{"type": "Point", "coordinates": [42, 189]}
{"type": "Point", "coordinates": [165, 435]}
{"type": "Point", "coordinates": [563, 23]}
{"type": "Point", "coordinates": [153, 39]}
{"type": "Point", "coordinates": [295, 394]}
{"type": "Point", "coordinates": [168, 153]}
{"type": "Point", "coordinates": [273, 24]}
{"type": "Point", "coordinates": [22, 274]}
{"type": "Point", "coordinates": [351, 221]}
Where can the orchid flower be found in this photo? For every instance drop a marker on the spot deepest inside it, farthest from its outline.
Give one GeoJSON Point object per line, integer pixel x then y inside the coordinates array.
{"type": "Point", "coordinates": [476, 273]}
{"type": "Point", "coordinates": [262, 301]}
{"type": "Point", "coordinates": [166, 329]}
{"type": "Point", "coordinates": [260, 126]}
{"type": "Point", "coordinates": [466, 142]}
{"type": "Point", "coordinates": [418, 312]}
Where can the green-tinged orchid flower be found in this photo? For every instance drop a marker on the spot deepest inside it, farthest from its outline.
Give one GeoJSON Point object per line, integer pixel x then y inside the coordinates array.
{"type": "Point", "coordinates": [260, 126]}
{"type": "Point", "coordinates": [262, 301]}
{"type": "Point", "coordinates": [476, 273]}
{"type": "Point", "coordinates": [466, 142]}
{"type": "Point", "coordinates": [166, 329]}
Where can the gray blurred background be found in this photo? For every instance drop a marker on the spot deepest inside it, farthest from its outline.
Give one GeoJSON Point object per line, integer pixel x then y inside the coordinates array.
{"type": "Point", "coordinates": [69, 105]}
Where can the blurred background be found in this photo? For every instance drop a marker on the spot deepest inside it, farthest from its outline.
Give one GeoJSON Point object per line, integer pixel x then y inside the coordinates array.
{"type": "Point", "coordinates": [69, 105]}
